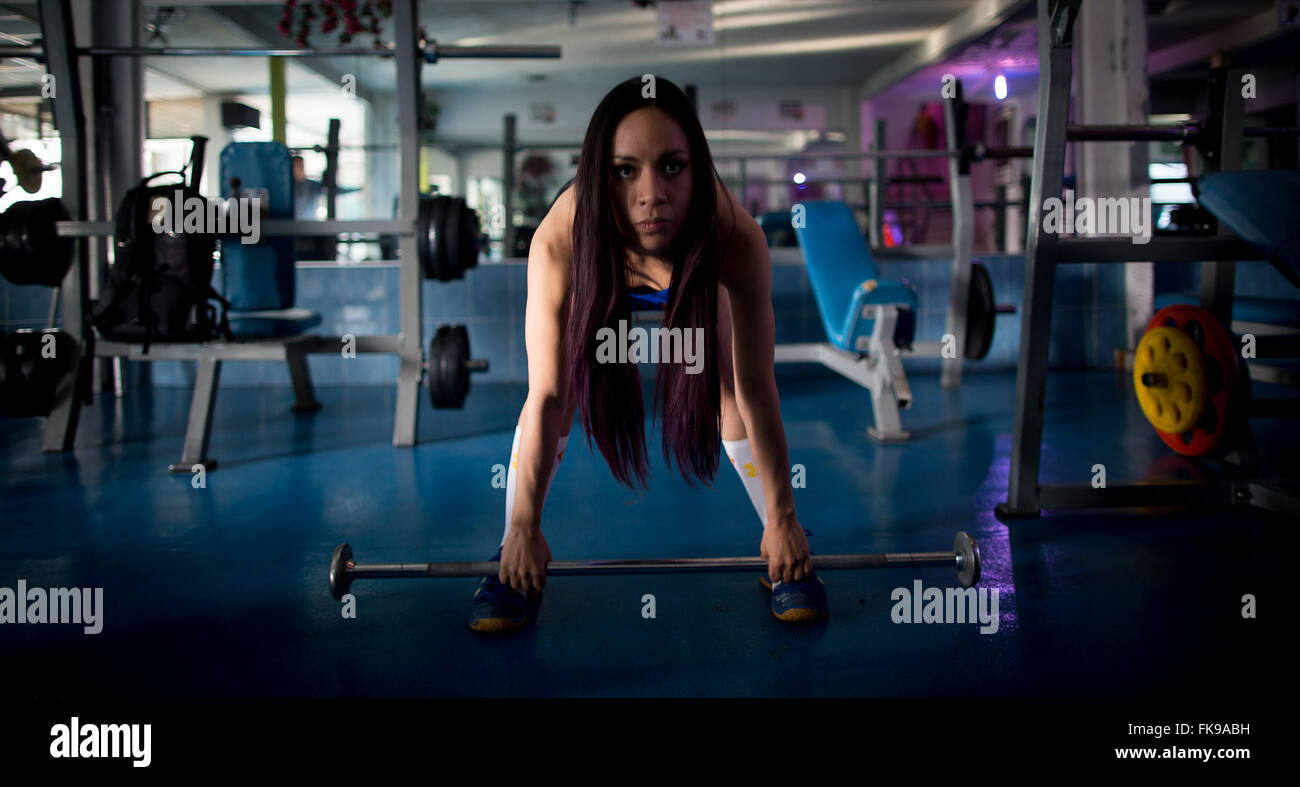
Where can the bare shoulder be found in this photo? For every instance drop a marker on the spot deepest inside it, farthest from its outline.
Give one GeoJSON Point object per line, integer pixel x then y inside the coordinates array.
{"type": "Point", "coordinates": [551, 251]}
{"type": "Point", "coordinates": [743, 244]}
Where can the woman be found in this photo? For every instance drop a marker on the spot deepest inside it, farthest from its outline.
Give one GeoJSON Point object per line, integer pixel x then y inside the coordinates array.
{"type": "Point", "coordinates": [646, 223]}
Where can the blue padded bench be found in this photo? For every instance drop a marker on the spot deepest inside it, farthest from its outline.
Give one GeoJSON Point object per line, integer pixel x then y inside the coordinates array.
{"type": "Point", "coordinates": [1259, 205]}
{"type": "Point", "coordinates": [1270, 311]}
{"type": "Point", "coordinates": [844, 276]}
{"type": "Point", "coordinates": [864, 347]}
{"type": "Point", "coordinates": [272, 323]}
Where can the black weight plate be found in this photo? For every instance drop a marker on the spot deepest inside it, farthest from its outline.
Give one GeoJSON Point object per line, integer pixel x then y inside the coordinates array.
{"type": "Point", "coordinates": [459, 375]}
{"type": "Point", "coordinates": [470, 231]}
{"type": "Point", "coordinates": [453, 226]}
{"type": "Point", "coordinates": [438, 251]}
{"type": "Point", "coordinates": [32, 250]}
{"type": "Point", "coordinates": [47, 373]}
{"type": "Point", "coordinates": [426, 236]}
{"type": "Point", "coordinates": [980, 314]}
{"type": "Point", "coordinates": [446, 374]}
{"type": "Point", "coordinates": [433, 366]}
{"type": "Point", "coordinates": [29, 380]}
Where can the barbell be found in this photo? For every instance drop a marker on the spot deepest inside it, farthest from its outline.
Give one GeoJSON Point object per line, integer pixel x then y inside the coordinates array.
{"type": "Point", "coordinates": [344, 570]}
{"type": "Point", "coordinates": [34, 249]}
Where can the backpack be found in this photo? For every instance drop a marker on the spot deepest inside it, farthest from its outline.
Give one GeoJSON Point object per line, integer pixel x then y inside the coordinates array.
{"type": "Point", "coordinates": [159, 287]}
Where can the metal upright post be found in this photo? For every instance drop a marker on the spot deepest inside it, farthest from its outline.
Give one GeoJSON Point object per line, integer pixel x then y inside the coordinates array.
{"type": "Point", "coordinates": [119, 109]}
{"type": "Point", "coordinates": [509, 143]}
{"type": "Point", "coordinates": [1055, 35]}
{"type": "Point", "coordinates": [406, 25]}
{"type": "Point", "coordinates": [744, 185]}
{"type": "Point", "coordinates": [963, 236]}
{"type": "Point", "coordinates": [331, 176]}
{"type": "Point", "coordinates": [1227, 109]}
{"type": "Point", "coordinates": [879, 187]}
{"type": "Point", "coordinates": [69, 118]}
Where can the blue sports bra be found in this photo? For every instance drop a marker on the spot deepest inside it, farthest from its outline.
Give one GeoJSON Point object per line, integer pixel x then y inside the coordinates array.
{"type": "Point", "coordinates": [645, 298]}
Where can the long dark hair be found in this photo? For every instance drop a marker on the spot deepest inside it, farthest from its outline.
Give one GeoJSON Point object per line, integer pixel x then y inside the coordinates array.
{"type": "Point", "coordinates": [609, 394]}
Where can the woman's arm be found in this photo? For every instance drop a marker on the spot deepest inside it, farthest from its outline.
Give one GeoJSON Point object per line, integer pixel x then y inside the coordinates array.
{"type": "Point", "coordinates": [746, 272]}
{"type": "Point", "coordinates": [524, 555]}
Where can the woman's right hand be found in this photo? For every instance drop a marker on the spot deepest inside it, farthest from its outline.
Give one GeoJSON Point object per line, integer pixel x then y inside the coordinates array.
{"type": "Point", "coordinates": [524, 556]}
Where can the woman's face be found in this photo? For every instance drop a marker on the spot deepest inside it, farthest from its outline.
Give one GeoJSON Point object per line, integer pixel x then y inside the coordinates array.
{"type": "Point", "coordinates": [650, 179]}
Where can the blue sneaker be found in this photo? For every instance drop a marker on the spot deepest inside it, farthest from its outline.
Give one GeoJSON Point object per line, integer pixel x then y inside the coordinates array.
{"type": "Point", "coordinates": [798, 602]}
{"type": "Point", "coordinates": [496, 606]}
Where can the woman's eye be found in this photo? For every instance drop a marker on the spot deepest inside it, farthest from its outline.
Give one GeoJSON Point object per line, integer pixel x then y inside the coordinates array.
{"type": "Point", "coordinates": [623, 170]}
{"type": "Point", "coordinates": [674, 167]}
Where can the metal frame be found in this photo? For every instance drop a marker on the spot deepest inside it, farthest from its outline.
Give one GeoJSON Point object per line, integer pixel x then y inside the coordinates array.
{"type": "Point", "coordinates": [963, 236]}
{"type": "Point", "coordinates": [1025, 495]}
{"type": "Point", "coordinates": [878, 368]}
{"type": "Point", "coordinates": [61, 54]}
{"type": "Point", "coordinates": [70, 120]}
{"type": "Point", "coordinates": [431, 51]}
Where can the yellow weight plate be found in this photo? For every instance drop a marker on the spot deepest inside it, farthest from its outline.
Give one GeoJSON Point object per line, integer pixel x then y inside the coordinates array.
{"type": "Point", "coordinates": [1169, 377]}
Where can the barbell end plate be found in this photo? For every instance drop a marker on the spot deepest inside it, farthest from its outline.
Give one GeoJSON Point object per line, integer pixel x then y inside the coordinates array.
{"type": "Point", "coordinates": [340, 580]}
{"type": "Point", "coordinates": [965, 548]}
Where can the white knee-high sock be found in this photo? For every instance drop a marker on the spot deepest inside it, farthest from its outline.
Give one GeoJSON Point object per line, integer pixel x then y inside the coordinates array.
{"type": "Point", "coordinates": [742, 458]}
{"type": "Point", "coordinates": [510, 475]}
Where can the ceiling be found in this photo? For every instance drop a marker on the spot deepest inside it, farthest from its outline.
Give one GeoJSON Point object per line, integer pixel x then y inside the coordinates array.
{"type": "Point", "coordinates": [758, 44]}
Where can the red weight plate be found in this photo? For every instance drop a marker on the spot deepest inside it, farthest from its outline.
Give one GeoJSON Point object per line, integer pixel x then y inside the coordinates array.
{"type": "Point", "coordinates": [1208, 435]}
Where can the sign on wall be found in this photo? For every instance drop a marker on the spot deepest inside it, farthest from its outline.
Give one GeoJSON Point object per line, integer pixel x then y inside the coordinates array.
{"type": "Point", "coordinates": [685, 22]}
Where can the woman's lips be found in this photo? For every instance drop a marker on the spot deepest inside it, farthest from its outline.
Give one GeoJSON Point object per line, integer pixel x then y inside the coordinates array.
{"type": "Point", "coordinates": [653, 227]}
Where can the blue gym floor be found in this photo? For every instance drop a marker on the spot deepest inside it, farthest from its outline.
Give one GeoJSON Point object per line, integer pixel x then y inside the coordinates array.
{"type": "Point", "coordinates": [222, 591]}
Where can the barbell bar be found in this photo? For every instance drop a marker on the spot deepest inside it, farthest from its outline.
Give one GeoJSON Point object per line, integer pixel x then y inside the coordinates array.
{"type": "Point", "coordinates": [344, 570]}
{"type": "Point", "coordinates": [433, 51]}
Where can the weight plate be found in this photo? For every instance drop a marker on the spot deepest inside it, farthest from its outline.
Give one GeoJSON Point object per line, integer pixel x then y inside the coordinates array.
{"type": "Point", "coordinates": [438, 251]}
{"type": "Point", "coordinates": [965, 548]}
{"type": "Point", "coordinates": [31, 251]}
{"type": "Point", "coordinates": [457, 373]}
{"type": "Point", "coordinates": [433, 365]}
{"type": "Point", "coordinates": [446, 375]}
{"type": "Point", "coordinates": [470, 231]}
{"type": "Point", "coordinates": [1222, 376]}
{"type": "Point", "coordinates": [456, 241]}
{"type": "Point", "coordinates": [1169, 378]}
{"type": "Point", "coordinates": [340, 582]}
{"type": "Point", "coordinates": [30, 375]}
{"type": "Point", "coordinates": [981, 313]}
{"type": "Point", "coordinates": [426, 237]}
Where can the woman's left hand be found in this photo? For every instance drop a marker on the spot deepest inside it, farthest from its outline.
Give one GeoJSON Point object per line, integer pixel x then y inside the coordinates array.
{"type": "Point", "coordinates": [785, 548]}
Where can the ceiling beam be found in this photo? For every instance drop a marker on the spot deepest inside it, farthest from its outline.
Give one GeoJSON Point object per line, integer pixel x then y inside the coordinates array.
{"type": "Point", "coordinates": [980, 18]}
{"type": "Point", "coordinates": [1251, 30]}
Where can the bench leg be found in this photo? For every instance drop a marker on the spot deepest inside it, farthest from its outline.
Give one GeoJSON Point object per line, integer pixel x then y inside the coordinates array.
{"type": "Point", "coordinates": [889, 387]}
{"type": "Point", "coordinates": [304, 396]}
{"type": "Point", "coordinates": [199, 431]}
